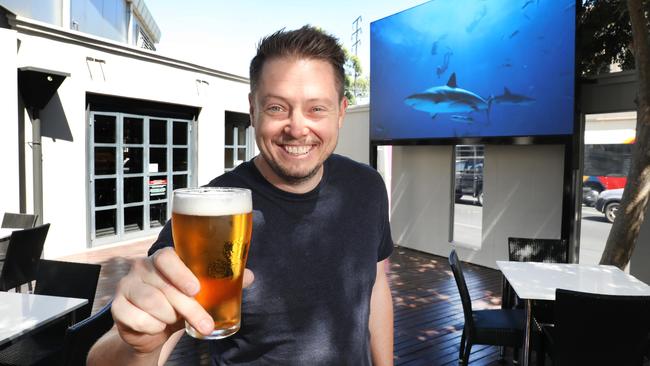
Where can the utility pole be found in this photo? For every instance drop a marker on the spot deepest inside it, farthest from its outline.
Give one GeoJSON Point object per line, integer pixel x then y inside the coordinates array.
{"type": "Point", "coordinates": [356, 41]}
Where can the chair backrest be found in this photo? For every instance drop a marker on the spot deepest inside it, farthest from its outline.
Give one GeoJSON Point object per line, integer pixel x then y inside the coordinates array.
{"type": "Point", "coordinates": [538, 250]}
{"type": "Point", "coordinates": [462, 289]}
{"type": "Point", "coordinates": [80, 337]}
{"type": "Point", "coordinates": [595, 329]}
{"type": "Point", "coordinates": [23, 253]}
{"type": "Point", "coordinates": [68, 279]}
{"type": "Point", "coordinates": [18, 220]}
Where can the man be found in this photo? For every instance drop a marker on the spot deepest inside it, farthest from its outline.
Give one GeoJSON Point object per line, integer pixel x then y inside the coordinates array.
{"type": "Point", "coordinates": [320, 237]}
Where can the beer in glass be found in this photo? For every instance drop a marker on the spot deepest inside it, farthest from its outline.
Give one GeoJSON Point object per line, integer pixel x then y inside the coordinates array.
{"type": "Point", "coordinates": [212, 232]}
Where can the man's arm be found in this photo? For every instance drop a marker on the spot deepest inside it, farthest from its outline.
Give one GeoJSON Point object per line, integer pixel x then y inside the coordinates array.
{"type": "Point", "coordinates": [381, 319]}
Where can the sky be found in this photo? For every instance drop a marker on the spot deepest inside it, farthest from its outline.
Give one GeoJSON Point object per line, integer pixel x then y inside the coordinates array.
{"type": "Point", "coordinates": [223, 34]}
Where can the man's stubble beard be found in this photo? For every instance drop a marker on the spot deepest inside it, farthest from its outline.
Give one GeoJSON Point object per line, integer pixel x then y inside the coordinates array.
{"type": "Point", "coordinates": [285, 175]}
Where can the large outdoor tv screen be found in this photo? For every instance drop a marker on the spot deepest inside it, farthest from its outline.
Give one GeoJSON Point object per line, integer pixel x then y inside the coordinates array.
{"type": "Point", "coordinates": [473, 68]}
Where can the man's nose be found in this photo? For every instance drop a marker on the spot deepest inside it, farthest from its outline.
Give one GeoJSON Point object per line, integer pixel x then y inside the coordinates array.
{"type": "Point", "coordinates": [297, 126]}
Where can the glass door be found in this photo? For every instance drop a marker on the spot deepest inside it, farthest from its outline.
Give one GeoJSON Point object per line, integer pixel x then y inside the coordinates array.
{"type": "Point", "coordinates": [135, 161]}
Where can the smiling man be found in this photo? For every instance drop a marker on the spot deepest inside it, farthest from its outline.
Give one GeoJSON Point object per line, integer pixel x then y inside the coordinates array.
{"type": "Point", "coordinates": [296, 114]}
{"type": "Point", "coordinates": [320, 241]}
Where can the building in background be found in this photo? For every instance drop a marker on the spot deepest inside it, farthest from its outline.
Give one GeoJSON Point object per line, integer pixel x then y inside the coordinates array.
{"type": "Point", "coordinates": [125, 127]}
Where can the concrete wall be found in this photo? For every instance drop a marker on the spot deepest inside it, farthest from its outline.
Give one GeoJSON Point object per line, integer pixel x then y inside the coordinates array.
{"type": "Point", "coordinates": [421, 197]}
{"type": "Point", "coordinates": [123, 72]}
{"type": "Point", "coordinates": [354, 136]}
{"type": "Point", "coordinates": [523, 197]}
{"type": "Point", "coordinates": [9, 188]}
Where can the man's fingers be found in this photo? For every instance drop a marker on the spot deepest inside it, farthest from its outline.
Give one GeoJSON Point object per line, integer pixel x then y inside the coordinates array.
{"type": "Point", "coordinates": [249, 277]}
{"type": "Point", "coordinates": [167, 262]}
{"type": "Point", "coordinates": [185, 306]}
{"type": "Point", "coordinates": [125, 314]}
{"type": "Point", "coordinates": [151, 300]}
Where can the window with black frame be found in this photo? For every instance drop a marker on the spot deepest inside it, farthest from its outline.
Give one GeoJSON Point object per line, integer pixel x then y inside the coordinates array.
{"type": "Point", "coordinates": [135, 161]}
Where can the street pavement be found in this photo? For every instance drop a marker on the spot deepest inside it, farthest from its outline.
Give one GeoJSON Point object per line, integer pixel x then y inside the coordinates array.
{"type": "Point", "coordinates": [594, 230]}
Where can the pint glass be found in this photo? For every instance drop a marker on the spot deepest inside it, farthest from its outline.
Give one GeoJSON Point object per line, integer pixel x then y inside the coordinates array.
{"type": "Point", "coordinates": [212, 232]}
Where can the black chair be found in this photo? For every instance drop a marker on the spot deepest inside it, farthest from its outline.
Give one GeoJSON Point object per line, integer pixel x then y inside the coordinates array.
{"type": "Point", "coordinates": [19, 220]}
{"type": "Point", "coordinates": [80, 337]}
{"type": "Point", "coordinates": [70, 349]}
{"type": "Point", "coordinates": [538, 250]}
{"type": "Point", "coordinates": [591, 329]}
{"type": "Point", "coordinates": [68, 279]}
{"type": "Point", "coordinates": [23, 253]}
{"type": "Point", "coordinates": [533, 250]}
{"type": "Point", "coordinates": [499, 327]}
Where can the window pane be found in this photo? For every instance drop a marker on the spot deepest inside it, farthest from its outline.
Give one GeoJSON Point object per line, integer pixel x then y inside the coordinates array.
{"type": "Point", "coordinates": [133, 219]}
{"type": "Point", "coordinates": [228, 160]}
{"type": "Point", "coordinates": [180, 181]}
{"type": "Point", "coordinates": [607, 159]}
{"type": "Point", "coordinates": [133, 189]}
{"type": "Point", "coordinates": [132, 160]}
{"type": "Point", "coordinates": [157, 188]}
{"type": "Point", "coordinates": [104, 128]}
{"type": "Point", "coordinates": [180, 133]}
{"type": "Point", "coordinates": [158, 214]}
{"type": "Point", "coordinates": [230, 130]}
{"type": "Point", "coordinates": [157, 131]}
{"type": "Point", "coordinates": [157, 160]}
{"type": "Point", "coordinates": [241, 135]}
{"type": "Point", "coordinates": [180, 159]}
{"type": "Point", "coordinates": [104, 192]}
{"type": "Point", "coordinates": [133, 130]}
{"type": "Point", "coordinates": [241, 155]}
{"type": "Point", "coordinates": [468, 195]}
{"type": "Point", "coordinates": [104, 160]}
{"type": "Point", "coordinates": [105, 223]}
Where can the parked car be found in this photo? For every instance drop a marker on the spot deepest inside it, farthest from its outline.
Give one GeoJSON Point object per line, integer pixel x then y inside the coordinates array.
{"type": "Point", "coordinates": [608, 202]}
{"type": "Point", "coordinates": [593, 185]}
{"type": "Point", "coordinates": [589, 196]}
{"type": "Point", "coordinates": [469, 179]}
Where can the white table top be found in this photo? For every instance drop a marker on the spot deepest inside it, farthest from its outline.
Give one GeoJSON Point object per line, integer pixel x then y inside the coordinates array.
{"type": "Point", "coordinates": [22, 313]}
{"type": "Point", "coordinates": [5, 233]}
{"type": "Point", "coordinates": [538, 281]}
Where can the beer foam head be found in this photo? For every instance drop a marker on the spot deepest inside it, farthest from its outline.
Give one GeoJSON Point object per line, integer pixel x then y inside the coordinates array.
{"type": "Point", "coordinates": [211, 201]}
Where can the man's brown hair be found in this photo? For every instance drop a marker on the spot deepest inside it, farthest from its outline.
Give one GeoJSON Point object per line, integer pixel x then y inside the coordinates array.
{"type": "Point", "coordinates": [305, 43]}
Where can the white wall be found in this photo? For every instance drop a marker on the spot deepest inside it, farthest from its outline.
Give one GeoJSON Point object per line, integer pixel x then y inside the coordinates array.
{"type": "Point", "coordinates": [522, 197]}
{"type": "Point", "coordinates": [354, 136]}
{"type": "Point", "coordinates": [123, 73]}
{"type": "Point", "coordinates": [522, 192]}
{"type": "Point", "coordinates": [421, 197]}
{"type": "Point", "coordinates": [9, 189]}
{"type": "Point", "coordinates": [222, 95]}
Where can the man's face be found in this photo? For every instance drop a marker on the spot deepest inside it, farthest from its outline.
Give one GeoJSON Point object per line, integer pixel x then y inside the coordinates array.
{"type": "Point", "coordinates": [297, 113]}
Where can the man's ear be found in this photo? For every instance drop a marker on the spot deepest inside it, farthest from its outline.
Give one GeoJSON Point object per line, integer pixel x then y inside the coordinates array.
{"type": "Point", "coordinates": [343, 108]}
{"type": "Point", "coordinates": [251, 108]}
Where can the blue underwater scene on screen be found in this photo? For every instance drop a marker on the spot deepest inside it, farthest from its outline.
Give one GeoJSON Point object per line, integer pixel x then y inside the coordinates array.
{"type": "Point", "coordinates": [473, 68]}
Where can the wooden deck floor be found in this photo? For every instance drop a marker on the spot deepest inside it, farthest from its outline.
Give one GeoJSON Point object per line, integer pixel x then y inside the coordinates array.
{"type": "Point", "coordinates": [428, 311]}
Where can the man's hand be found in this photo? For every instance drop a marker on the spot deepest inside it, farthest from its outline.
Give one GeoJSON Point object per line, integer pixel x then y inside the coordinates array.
{"type": "Point", "coordinates": [154, 299]}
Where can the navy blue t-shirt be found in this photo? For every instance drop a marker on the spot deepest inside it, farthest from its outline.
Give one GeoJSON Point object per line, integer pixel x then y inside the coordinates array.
{"type": "Point", "coordinates": [314, 257]}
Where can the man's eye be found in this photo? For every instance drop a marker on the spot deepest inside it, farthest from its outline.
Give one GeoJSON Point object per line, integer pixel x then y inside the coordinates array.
{"type": "Point", "coordinates": [319, 109]}
{"type": "Point", "coordinates": [275, 108]}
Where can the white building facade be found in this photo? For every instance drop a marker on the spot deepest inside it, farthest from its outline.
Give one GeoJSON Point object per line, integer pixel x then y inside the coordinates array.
{"type": "Point", "coordinates": [125, 127]}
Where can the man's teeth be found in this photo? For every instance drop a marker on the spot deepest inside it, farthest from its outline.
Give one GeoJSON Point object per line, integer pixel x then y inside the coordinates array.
{"type": "Point", "coordinates": [297, 150]}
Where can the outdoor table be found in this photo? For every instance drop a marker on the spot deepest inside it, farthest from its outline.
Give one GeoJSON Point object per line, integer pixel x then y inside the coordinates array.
{"type": "Point", "coordinates": [5, 233]}
{"type": "Point", "coordinates": [21, 314]}
{"type": "Point", "coordinates": [538, 281]}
